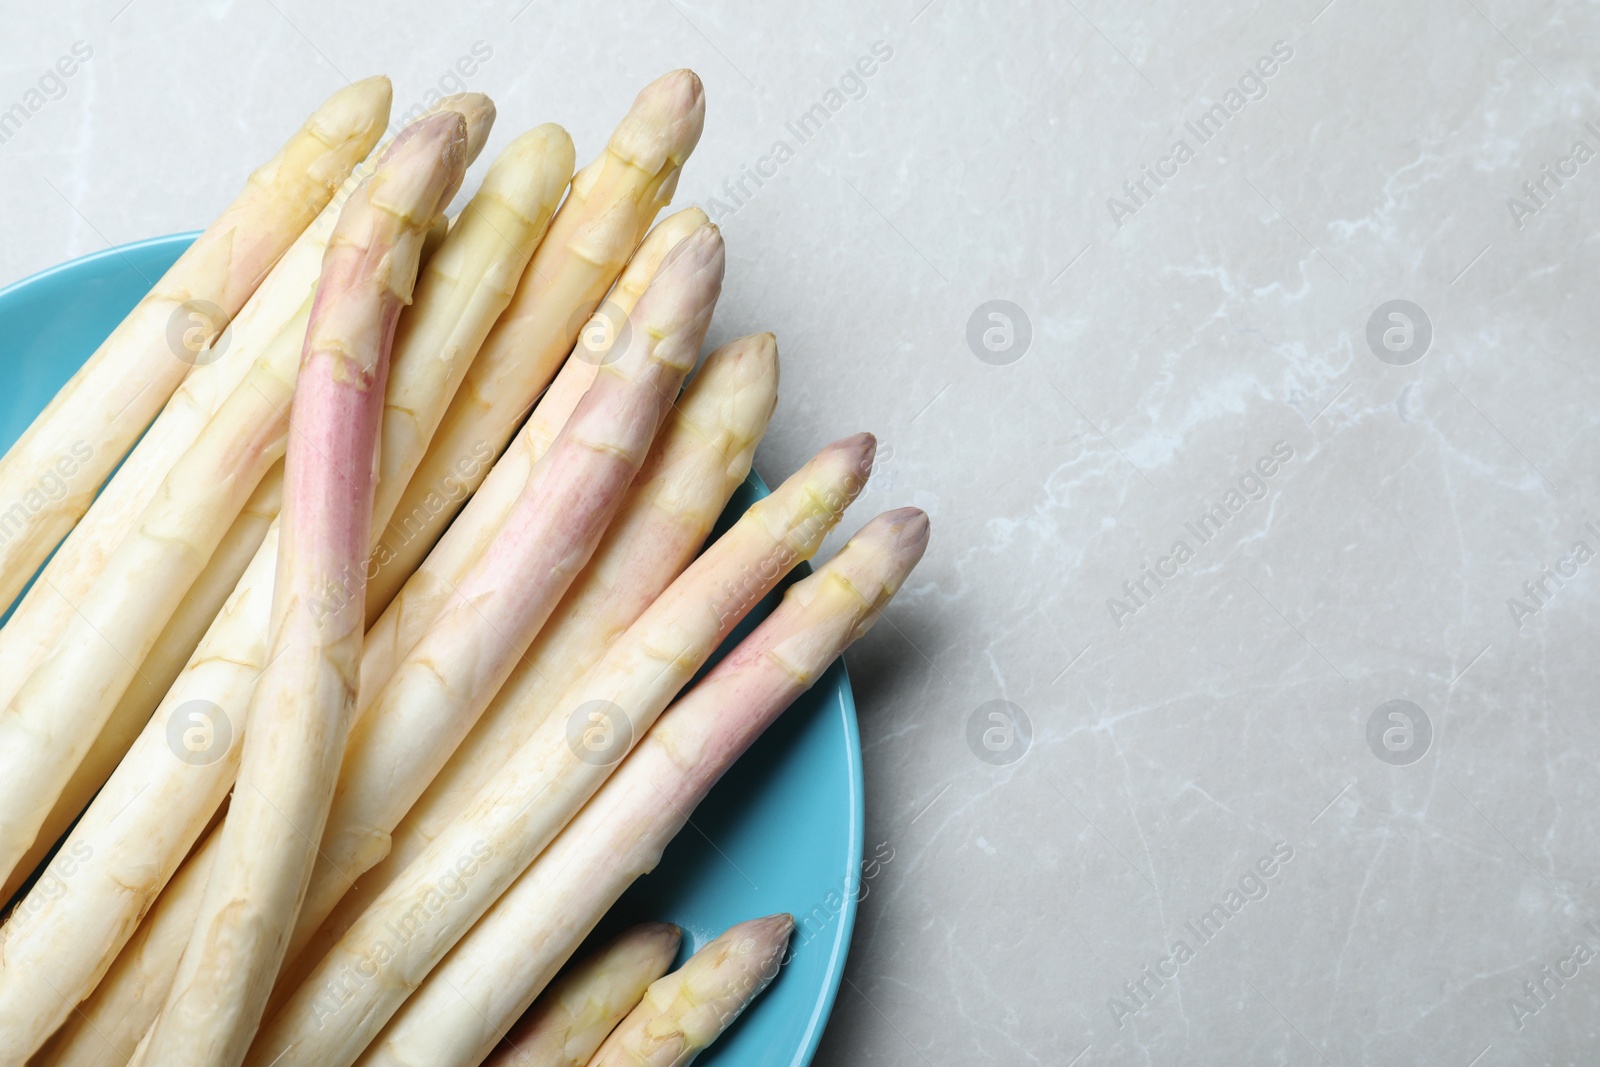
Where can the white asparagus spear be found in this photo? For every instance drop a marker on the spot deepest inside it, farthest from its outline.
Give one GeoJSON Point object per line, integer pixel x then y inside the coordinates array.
{"type": "Point", "coordinates": [457, 301]}
{"type": "Point", "coordinates": [55, 716]}
{"type": "Point", "coordinates": [588, 730]}
{"type": "Point", "coordinates": [426, 592]}
{"type": "Point", "coordinates": [463, 291]}
{"type": "Point", "coordinates": [163, 794]}
{"type": "Point", "coordinates": [695, 467]}
{"type": "Point", "coordinates": [159, 670]}
{"type": "Point", "coordinates": [489, 979]}
{"type": "Point", "coordinates": [568, 1022]}
{"type": "Point", "coordinates": [102, 410]}
{"type": "Point", "coordinates": [685, 1011]}
{"type": "Point", "coordinates": [105, 1029]}
{"type": "Point", "coordinates": [447, 680]}
{"type": "Point", "coordinates": [291, 757]}
{"type": "Point", "coordinates": [612, 203]}
{"type": "Point", "coordinates": [594, 345]}
{"type": "Point", "coordinates": [44, 612]}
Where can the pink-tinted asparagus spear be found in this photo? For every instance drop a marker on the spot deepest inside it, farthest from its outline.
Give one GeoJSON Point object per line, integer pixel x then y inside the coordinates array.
{"type": "Point", "coordinates": [307, 691]}
{"type": "Point", "coordinates": [455, 670]}
{"type": "Point", "coordinates": [697, 463]}
{"type": "Point", "coordinates": [513, 951]}
{"type": "Point", "coordinates": [684, 1012]}
{"type": "Point", "coordinates": [568, 1022]}
{"type": "Point", "coordinates": [585, 732]}
{"type": "Point", "coordinates": [612, 202]}
{"type": "Point", "coordinates": [100, 413]}
{"type": "Point", "coordinates": [429, 588]}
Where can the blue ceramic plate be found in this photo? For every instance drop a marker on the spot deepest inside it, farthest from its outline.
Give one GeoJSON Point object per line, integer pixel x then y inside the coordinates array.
{"type": "Point", "coordinates": [781, 832]}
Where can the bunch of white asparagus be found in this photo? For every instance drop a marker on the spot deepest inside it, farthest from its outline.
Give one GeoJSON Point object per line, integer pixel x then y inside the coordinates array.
{"type": "Point", "coordinates": [345, 711]}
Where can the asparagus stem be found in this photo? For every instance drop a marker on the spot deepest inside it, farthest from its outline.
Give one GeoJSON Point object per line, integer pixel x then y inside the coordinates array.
{"type": "Point", "coordinates": [518, 812]}
{"type": "Point", "coordinates": [489, 978]}
{"type": "Point", "coordinates": [684, 1012]}
{"type": "Point", "coordinates": [49, 724]}
{"type": "Point", "coordinates": [44, 612]}
{"type": "Point", "coordinates": [160, 669]}
{"type": "Point", "coordinates": [100, 413]}
{"type": "Point", "coordinates": [106, 1028]}
{"type": "Point", "coordinates": [291, 758]}
{"type": "Point", "coordinates": [429, 589]}
{"type": "Point", "coordinates": [447, 680]}
{"type": "Point", "coordinates": [161, 795]}
{"type": "Point", "coordinates": [461, 293]}
{"type": "Point", "coordinates": [561, 399]}
{"type": "Point", "coordinates": [567, 1024]}
{"type": "Point", "coordinates": [611, 204]}
{"type": "Point", "coordinates": [694, 468]}
{"type": "Point", "coordinates": [274, 315]}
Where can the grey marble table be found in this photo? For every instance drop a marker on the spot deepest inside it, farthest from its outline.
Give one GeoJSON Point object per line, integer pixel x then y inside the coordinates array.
{"type": "Point", "coordinates": [1244, 356]}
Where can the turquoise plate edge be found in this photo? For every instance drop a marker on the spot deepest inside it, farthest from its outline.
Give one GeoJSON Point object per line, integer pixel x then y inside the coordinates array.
{"type": "Point", "coordinates": [734, 861]}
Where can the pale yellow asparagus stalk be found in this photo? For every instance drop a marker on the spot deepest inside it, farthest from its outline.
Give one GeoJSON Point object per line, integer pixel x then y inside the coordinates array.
{"type": "Point", "coordinates": [43, 614]}
{"type": "Point", "coordinates": [447, 680]}
{"type": "Point", "coordinates": [97, 416]}
{"type": "Point", "coordinates": [567, 757]}
{"type": "Point", "coordinates": [594, 345]}
{"type": "Point", "coordinates": [306, 694]}
{"type": "Point", "coordinates": [568, 1022]}
{"type": "Point", "coordinates": [491, 976]}
{"type": "Point", "coordinates": [685, 1011]}
{"type": "Point", "coordinates": [457, 301]}
{"type": "Point", "coordinates": [611, 205]}
{"type": "Point", "coordinates": [462, 292]}
{"type": "Point", "coordinates": [700, 460]}
{"type": "Point", "coordinates": [428, 589]}
{"type": "Point", "coordinates": [48, 726]}
{"type": "Point", "coordinates": [104, 1030]}
{"type": "Point", "coordinates": [162, 795]}
{"type": "Point", "coordinates": [160, 669]}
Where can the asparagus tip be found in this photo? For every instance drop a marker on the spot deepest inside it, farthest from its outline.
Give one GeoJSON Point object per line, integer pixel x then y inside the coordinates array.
{"type": "Point", "coordinates": [896, 540]}
{"type": "Point", "coordinates": [702, 250]}
{"type": "Point", "coordinates": [359, 110]}
{"type": "Point", "coordinates": [665, 122]}
{"type": "Point", "coordinates": [859, 449]}
{"type": "Point", "coordinates": [669, 935]}
{"type": "Point", "coordinates": [423, 167]}
{"type": "Point", "coordinates": [479, 111]}
{"type": "Point", "coordinates": [690, 218]}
